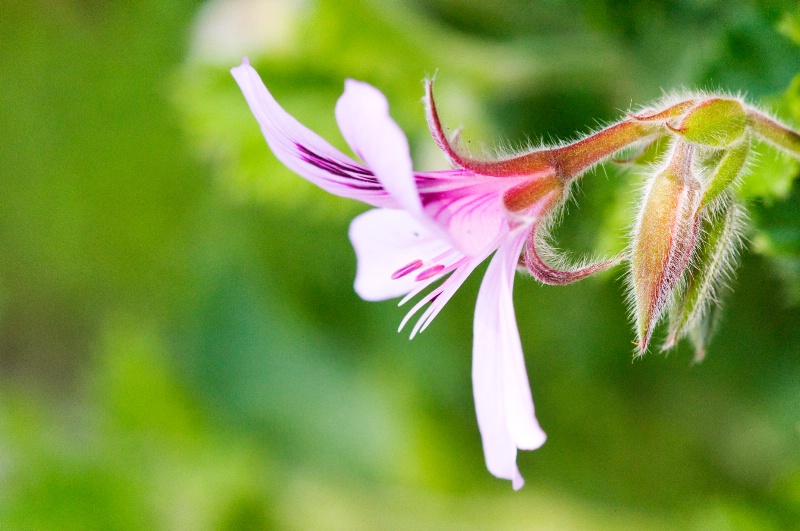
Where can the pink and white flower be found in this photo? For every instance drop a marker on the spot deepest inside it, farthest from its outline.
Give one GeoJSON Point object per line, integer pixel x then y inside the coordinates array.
{"type": "Point", "coordinates": [429, 231]}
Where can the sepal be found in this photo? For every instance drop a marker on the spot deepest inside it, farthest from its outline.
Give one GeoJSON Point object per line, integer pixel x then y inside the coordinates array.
{"type": "Point", "coordinates": [663, 238]}
{"type": "Point", "coordinates": [712, 263]}
{"type": "Point", "coordinates": [539, 255]}
{"type": "Point", "coordinates": [715, 123]}
{"type": "Point", "coordinates": [727, 172]}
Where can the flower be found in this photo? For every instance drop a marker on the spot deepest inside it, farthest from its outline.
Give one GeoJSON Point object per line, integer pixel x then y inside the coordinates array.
{"type": "Point", "coordinates": [431, 230]}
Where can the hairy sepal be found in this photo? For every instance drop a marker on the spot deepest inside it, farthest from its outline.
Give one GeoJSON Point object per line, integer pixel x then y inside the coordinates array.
{"type": "Point", "coordinates": [727, 172]}
{"type": "Point", "coordinates": [714, 122]}
{"type": "Point", "coordinates": [712, 264]}
{"type": "Point", "coordinates": [663, 239]}
{"type": "Point", "coordinates": [547, 265]}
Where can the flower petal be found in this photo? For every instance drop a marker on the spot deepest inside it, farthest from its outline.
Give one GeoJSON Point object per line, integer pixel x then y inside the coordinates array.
{"type": "Point", "coordinates": [305, 152]}
{"type": "Point", "coordinates": [363, 116]}
{"type": "Point", "coordinates": [472, 215]}
{"type": "Point", "coordinates": [502, 394]}
{"type": "Point", "coordinates": [389, 243]}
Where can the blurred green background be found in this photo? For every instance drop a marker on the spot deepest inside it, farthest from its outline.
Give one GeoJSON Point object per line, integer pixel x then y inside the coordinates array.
{"type": "Point", "coordinates": [180, 344]}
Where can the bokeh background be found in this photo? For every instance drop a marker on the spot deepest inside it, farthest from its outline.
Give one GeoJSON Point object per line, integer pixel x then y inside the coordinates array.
{"type": "Point", "coordinates": [180, 344]}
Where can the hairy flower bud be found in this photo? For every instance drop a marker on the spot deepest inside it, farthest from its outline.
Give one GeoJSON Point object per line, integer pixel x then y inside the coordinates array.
{"type": "Point", "coordinates": [726, 173]}
{"type": "Point", "coordinates": [712, 263]}
{"type": "Point", "coordinates": [663, 238]}
{"type": "Point", "coordinates": [714, 122]}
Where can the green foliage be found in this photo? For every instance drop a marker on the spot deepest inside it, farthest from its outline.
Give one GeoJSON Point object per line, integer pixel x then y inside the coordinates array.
{"type": "Point", "coordinates": [179, 342]}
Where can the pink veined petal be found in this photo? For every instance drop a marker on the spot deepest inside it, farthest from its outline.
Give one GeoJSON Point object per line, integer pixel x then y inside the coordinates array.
{"type": "Point", "coordinates": [389, 243]}
{"type": "Point", "coordinates": [472, 215]}
{"type": "Point", "coordinates": [502, 394]}
{"type": "Point", "coordinates": [305, 152]}
{"type": "Point", "coordinates": [363, 116]}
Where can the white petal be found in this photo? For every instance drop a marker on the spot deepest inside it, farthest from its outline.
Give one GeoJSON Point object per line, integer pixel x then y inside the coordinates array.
{"type": "Point", "coordinates": [385, 241]}
{"type": "Point", "coordinates": [363, 116]}
{"type": "Point", "coordinates": [502, 394]}
{"type": "Point", "coordinates": [305, 152]}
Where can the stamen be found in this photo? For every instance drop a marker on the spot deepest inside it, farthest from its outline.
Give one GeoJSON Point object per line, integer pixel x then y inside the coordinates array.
{"type": "Point", "coordinates": [430, 272]}
{"type": "Point", "coordinates": [406, 269]}
{"type": "Point", "coordinates": [433, 295]}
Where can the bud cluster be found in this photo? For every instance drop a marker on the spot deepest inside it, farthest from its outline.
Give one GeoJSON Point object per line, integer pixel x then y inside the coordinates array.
{"type": "Point", "coordinates": [688, 229]}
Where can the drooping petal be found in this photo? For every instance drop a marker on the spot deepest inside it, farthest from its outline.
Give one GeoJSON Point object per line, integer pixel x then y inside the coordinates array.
{"type": "Point", "coordinates": [363, 116]}
{"type": "Point", "coordinates": [502, 394]}
{"type": "Point", "coordinates": [391, 247]}
{"type": "Point", "coordinates": [305, 152]}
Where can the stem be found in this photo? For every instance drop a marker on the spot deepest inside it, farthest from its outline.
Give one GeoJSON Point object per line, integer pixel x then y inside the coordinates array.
{"type": "Point", "coordinates": [574, 159]}
{"type": "Point", "coordinates": [775, 133]}
{"type": "Point", "coordinates": [566, 162]}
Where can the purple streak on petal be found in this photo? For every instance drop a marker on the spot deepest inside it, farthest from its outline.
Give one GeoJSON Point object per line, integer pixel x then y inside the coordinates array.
{"type": "Point", "coordinates": [363, 116]}
{"type": "Point", "coordinates": [352, 171]}
{"type": "Point", "coordinates": [502, 394]}
{"type": "Point", "coordinates": [305, 152]}
{"type": "Point", "coordinates": [472, 214]}
{"type": "Point", "coordinates": [355, 177]}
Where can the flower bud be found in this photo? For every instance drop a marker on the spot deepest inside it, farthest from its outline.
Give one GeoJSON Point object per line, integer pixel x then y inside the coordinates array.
{"type": "Point", "coordinates": [663, 238]}
{"type": "Point", "coordinates": [715, 123]}
{"type": "Point", "coordinates": [711, 264]}
{"type": "Point", "coordinates": [727, 172]}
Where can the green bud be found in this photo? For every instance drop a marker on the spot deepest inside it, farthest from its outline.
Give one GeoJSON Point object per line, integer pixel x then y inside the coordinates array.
{"type": "Point", "coordinates": [716, 123]}
{"type": "Point", "coordinates": [663, 238]}
{"type": "Point", "coordinates": [726, 172]}
{"type": "Point", "coordinates": [711, 263]}
{"type": "Point", "coordinates": [702, 330]}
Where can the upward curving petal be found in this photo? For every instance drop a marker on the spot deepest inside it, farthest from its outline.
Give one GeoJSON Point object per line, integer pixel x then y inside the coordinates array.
{"type": "Point", "coordinates": [391, 246]}
{"type": "Point", "coordinates": [363, 116]}
{"type": "Point", "coordinates": [305, 152]}
{"type": "Point", "coordinates": [502, 394]}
